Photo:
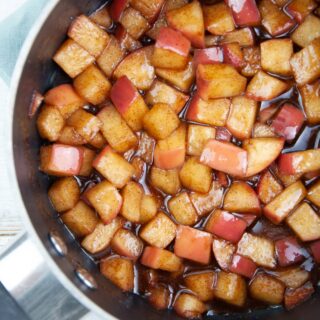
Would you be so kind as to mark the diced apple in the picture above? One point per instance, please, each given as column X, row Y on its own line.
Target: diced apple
column 299, row 9
column 189, row 21
column 314, row 194
column 288, row 251
column 315, row 249
column 149, row 10
column 226, row 226
column 159, row 232
column 98, row 141
column 305, row 222
column 162, row 93
column 115, row 130
column 132, row 195
column 61, row 160
column 233, row 55
column 252, row 61
column 223, row 252
column 101, row 236
column 294, row 297
column 201, row 284
column 134, row 22
column 205, row 203
column 160, row 121
column 222, row 179
column 116, row 9
column 165, row 180
column 213, row 112
column 243, row 266
column 268, row 187
column 259, row 249
column 275, row 21
column 159, row 297
column 267, row 289
column 288, row 121
column 119, row 271
column 126, row 41
column 189, row 306
column 139, row 168
column 86, row 166
column 169, row 153
column 286, row 179
column 156, row 258
column 245, row 13
column 196, row 176
column 225, row 157
column 300, row 161
column 280, row 207
column 146, row 147
column 127, row 244
column 70, row 136
column 311, row 101
column 241, row 117
column 231, row 288
column 88, row 35
column 148, row 208
column 193, row 244
column 218, row 19
column 138, row 68
column 267, row 113
column 292, row 277
column 113, row 167
column 243, row 36
column 207, row 56
column 181, row 79
column 180, row 206
column 261, row 130
column 261, row 153
column 81, row 219
column 101, row 17
column 305, row 63
column 219, row 81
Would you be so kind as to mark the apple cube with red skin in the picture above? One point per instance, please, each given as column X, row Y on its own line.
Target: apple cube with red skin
column 300, row 161
column 248, row 218
column 129, row 102
column 223, row 252
column 101, row 236
column 311, row 101
column 169, row 153
column 106, row 199
column 245, row 13
column 64, row 98
column 218, row 19
column 193, row 244
column 315, row 250
column 294, row 297
column 88, row 35
column 162, row 259
column 72, row 58
column 201, row 284
column 261, row 152
column 233, row 55
column 300, row 9
column 219, row 81
column 116, row 9
column 314, row 193
column 207, row 56
column 188, row 20
column 267, row 113
column 288, row 251
column 225, row 157
column 127, row 244
column 167, row 181
column 231, row 288
column 150, row 10
column 259, row 249
column 305, row 63
column 113, row 167
column 267, row 289
column 226, row 226
column 159, row 232
column 119, row 271
column 163, row 93
column 243, row 266
column 132, row 195
column 241, row 117
column 275, row 21
column 265, row 87
column 171, row 50
column 268, row 187
column 280, row 207
column 305, row 222
column 115, row 130
column 189, row 306
column 137, row 68
column 243, row 36
column 61, row 160
column 213, row 112
column 159, row 297
column 241, row 198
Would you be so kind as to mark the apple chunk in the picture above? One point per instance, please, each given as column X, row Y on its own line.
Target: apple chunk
column 243, row 266
column 294, row 297
column 207, row 56
column 201, row 284
column 223, row 252
column 150, row 10
column 165, row 180
column 132, row 196
column 188, row 20
column 311, row 101
column 252, row 61
column 300, row 9
column 268, row 187
column 314, row 194
column 261, row 153
column 289, row 251
column 233, row 55
column 189, row 306
column 219, row 81
column 243, row 36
